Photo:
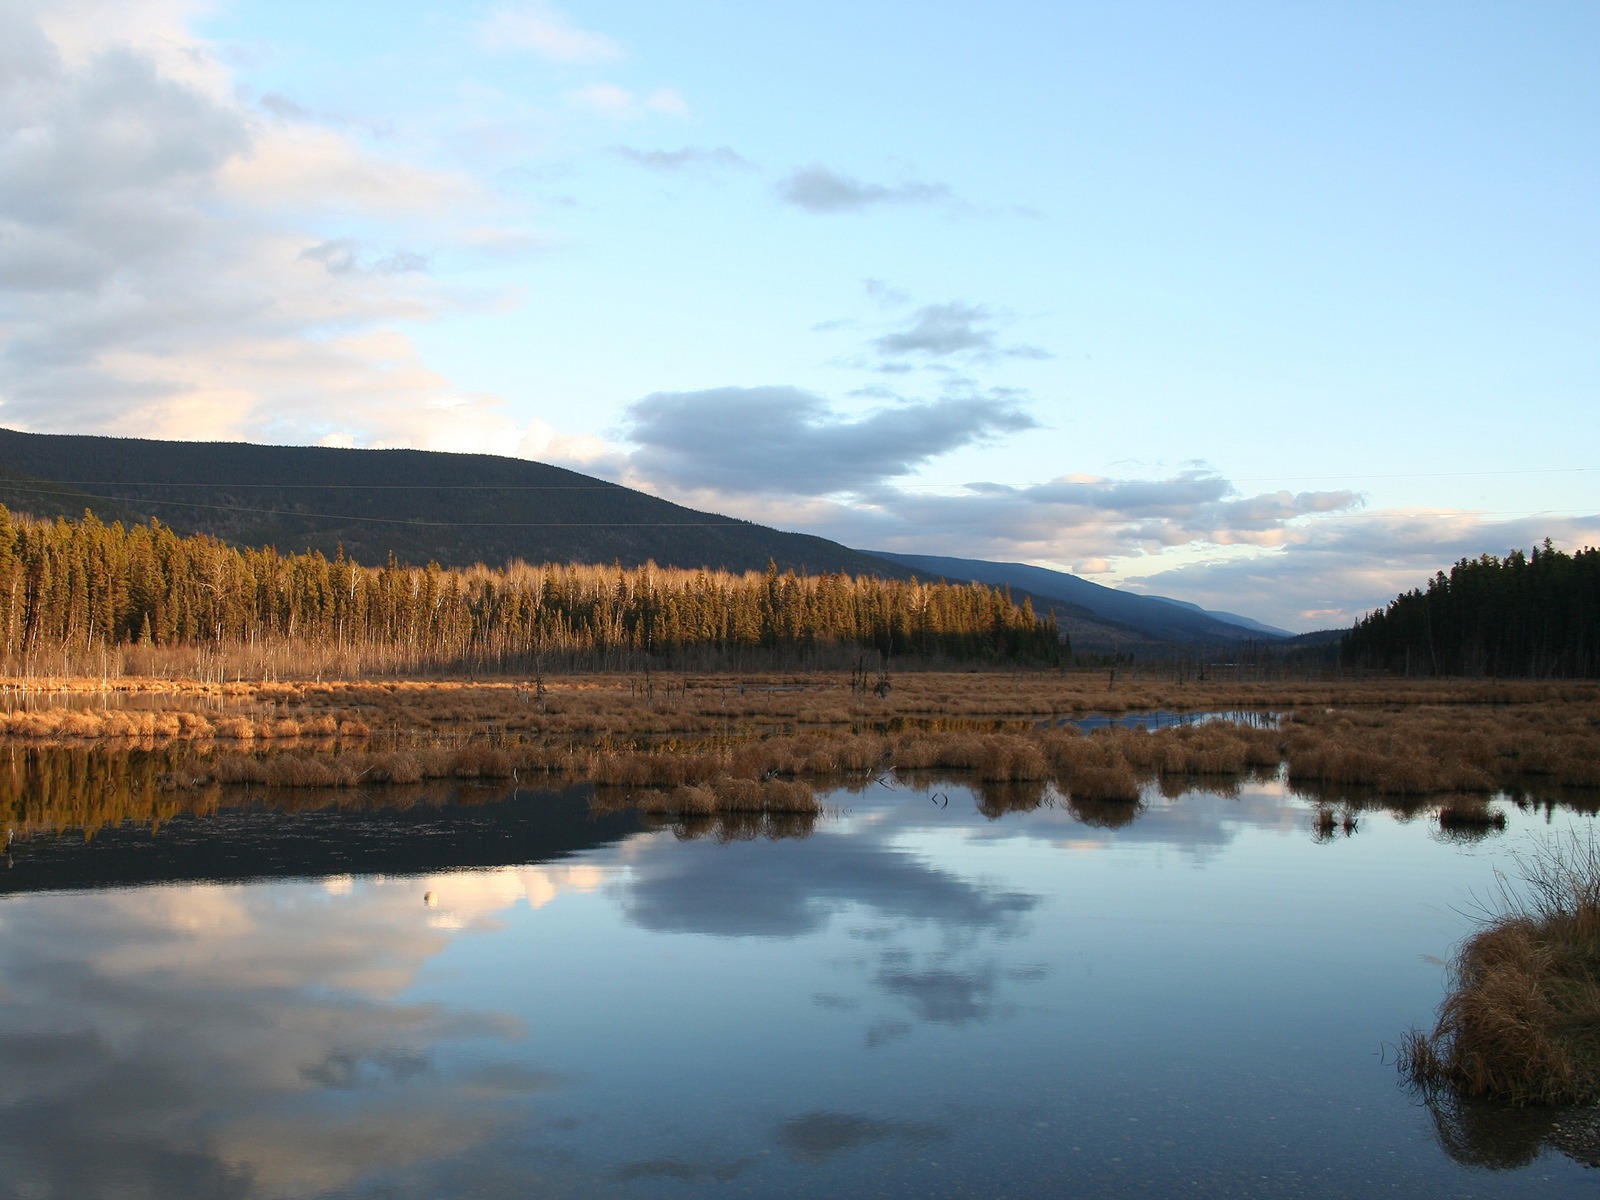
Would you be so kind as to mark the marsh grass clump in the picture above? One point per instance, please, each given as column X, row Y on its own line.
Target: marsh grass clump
column 1522, row 1020
column 1471, row 815
column 721, row 796
column 1113, row 782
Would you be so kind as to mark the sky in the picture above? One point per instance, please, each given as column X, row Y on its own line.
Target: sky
column 1276, row 308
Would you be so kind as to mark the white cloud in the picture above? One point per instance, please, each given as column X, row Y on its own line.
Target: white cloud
column 616, row 101
column 684, row 159
column 174, row 262
column 669, row 101
column 1329, row 573
column 547, row 32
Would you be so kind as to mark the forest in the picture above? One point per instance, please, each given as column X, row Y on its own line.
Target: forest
column 1534, row 615
column 82, row 586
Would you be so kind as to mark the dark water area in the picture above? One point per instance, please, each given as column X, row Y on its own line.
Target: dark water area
column 441, row 828
column 934, row 989
column 1167, row 719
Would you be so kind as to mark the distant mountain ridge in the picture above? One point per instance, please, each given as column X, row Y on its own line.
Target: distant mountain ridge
column 419, row 505
column 1152, row 616
column 461, row 509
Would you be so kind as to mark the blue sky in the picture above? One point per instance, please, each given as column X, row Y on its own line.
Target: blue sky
column 1273, row 307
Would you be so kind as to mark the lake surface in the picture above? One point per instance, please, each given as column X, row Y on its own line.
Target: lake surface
column 935, row 991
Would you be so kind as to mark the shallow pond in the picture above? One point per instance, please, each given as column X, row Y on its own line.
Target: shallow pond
column 907, row 998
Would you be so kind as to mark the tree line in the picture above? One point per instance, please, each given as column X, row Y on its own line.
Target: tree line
column 81, row 585
column 1533, row 615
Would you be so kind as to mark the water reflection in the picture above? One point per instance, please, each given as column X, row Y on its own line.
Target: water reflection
column 1169, row 719
column 246, row 1041
column 1105, row 814
column 243, row 834
column 816, row 1137
column 727, row 827
column 1007, row 990
column 785, row 889
column 1503, row 1137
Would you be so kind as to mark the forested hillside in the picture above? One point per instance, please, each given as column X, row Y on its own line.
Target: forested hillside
column 417, row 505
column 1535, row 615
column 79, row 586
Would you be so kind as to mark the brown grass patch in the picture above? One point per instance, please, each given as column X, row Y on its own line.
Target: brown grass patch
column 1522, row 1020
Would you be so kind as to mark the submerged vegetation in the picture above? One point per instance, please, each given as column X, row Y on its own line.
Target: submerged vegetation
column 1522, row 1020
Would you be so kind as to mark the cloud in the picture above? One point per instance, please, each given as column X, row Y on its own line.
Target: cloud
column 818, row 189
column 617, row 101
column 667, row 100
column 1298, row 560
column 547, row 32
column 933, row 335
column 886, row 295
column 1063, row 521
column 603, row 97
column 1331, row 573
column 941, row 329
column 342, row 256
column 946, row 330
column 175, row 262
column 688, row 158
column 785, row 440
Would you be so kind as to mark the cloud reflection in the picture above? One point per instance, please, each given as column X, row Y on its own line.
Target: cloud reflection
column 787, row 889
column 247, row 1041
column 816, row 1137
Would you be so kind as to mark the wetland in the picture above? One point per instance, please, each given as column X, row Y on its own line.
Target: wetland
column 763, row 936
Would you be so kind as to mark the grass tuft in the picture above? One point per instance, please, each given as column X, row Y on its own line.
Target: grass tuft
column 1522, row 1020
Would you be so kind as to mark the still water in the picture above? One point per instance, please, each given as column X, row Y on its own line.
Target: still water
column 934, row 992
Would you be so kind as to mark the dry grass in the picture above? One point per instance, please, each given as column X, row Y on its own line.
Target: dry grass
column 1522, row 1020
column 1471, row 814
column 1412, row 747
column 677, row 704
column 720, row 796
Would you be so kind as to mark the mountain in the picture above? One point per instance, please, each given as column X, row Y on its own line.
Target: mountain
column 460, row 509
column 1250, row 623
column 1151, row 617
column 453, row 509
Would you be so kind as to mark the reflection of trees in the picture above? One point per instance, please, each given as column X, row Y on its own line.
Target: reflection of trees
column 51, row 790
column 728, row 827
column 1583, row 801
